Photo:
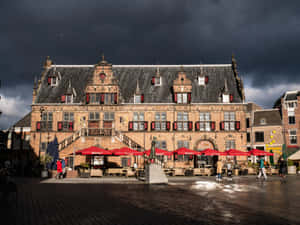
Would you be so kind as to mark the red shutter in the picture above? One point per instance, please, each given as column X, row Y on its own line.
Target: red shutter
column 206, row 79
column 175, row 97
column 190, row 125
column 102, row 99
column 213, row 126
column 59, row 126
column 38, row 125
column 222, row 126
column 237, row 125
column 70, row 125
column 175, row 126
column 116, row 98
column 130, row 125
column 168, row 125
column 190, row 157
column 153, row 81
column 152, row 125
column 49, row 80
column 87, row 98
column 231, row 98
column 142, row 98
column 63, row 98
column 197, row 126
column 146, row 125
column 189, row 97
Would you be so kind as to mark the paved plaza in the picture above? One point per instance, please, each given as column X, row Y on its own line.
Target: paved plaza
column 191, row 200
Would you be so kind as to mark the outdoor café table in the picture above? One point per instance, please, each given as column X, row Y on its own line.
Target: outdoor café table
column 96, row 173
column 116, row 171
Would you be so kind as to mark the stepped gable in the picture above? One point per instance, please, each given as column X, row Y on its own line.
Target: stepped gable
column 127, row 77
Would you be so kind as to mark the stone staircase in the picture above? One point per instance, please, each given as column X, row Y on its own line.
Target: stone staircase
column 113, row 133
column 155, row 174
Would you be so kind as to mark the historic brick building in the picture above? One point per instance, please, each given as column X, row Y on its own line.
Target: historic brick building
column 196, row 106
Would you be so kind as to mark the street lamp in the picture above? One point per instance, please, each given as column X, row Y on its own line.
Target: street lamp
column 40, row 145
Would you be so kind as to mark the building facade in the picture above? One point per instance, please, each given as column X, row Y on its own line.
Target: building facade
column 113, row 106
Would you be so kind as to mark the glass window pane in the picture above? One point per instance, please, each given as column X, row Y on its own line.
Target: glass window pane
column 44, row 116
column 141, row 125
column 226, row 116
column 137, row 99
column 91, row 116
column 207, row 116
column 202, row 117
column 184, row 98
column 232, row 116
column 232, row 126
column 71, row 116
column 185, row 116
column 163, row 125
column 179, row 124
column 163, row 116
column 157, row 116
column 207, row 126
column 141, row 116
column 135, row 116
column 66, row 116
column 179, row 98
column 202, row 128
column 112, row 116
column 157, row 125
column 163, row 144
column 179, row 116
column 135, row 126
column 185, row 126
column 97, row 116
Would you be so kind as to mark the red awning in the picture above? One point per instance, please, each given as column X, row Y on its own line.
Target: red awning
column 126, row 151
column 93, row 151
column 260, row 152
column 186, row 151
column 211, row 152
column 235, row 152
column 158, row 152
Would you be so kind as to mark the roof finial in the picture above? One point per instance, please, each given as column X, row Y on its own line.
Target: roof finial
column 48, row 62
column 103, row 57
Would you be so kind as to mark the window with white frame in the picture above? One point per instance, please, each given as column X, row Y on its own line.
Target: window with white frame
column 138, row 121
column 291, row 116
column 69, row 98
column 46, row 123
column 205, row 121
column 157, row 81
column 229, row 144
column 182, row 121
column 137, row 99
column 182, row 98
column 291, row 105
column 94, row 116
column 229, row 120
column 54, row 81
column 161, row 144
column 293, row 136
column 160, row 121
column 225, row 98
column 201, row 80
column 109, row 116
column 68, row 117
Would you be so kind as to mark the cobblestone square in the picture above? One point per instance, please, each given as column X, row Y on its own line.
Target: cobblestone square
column 199, row 200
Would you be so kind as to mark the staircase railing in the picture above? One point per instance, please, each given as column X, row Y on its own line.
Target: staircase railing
column 69, row 140
column 128, row 141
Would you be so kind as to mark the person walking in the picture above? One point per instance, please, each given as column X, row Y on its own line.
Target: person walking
column 229, row 170
column 262, row 169
column 63, row 165
column 282, row 167
column 219, row 170
column 59, row 169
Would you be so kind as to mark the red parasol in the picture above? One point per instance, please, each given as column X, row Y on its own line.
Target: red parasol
column 211, row 152
column 186, row 151
column 260, row 152
column 235, row 152
column 126, row 151
column 93, row 150
column 158, row 152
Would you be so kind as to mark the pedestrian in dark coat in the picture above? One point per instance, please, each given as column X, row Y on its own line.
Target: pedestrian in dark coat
column 282, row 167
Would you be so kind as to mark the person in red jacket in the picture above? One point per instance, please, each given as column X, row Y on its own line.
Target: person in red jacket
column 59, row 169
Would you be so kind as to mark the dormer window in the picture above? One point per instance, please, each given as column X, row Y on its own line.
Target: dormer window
column 52, row 81
column 69, row 98
column 157, row 81
column 225, row 98
column 139, row 98
column 201, row 80
column 263, row 121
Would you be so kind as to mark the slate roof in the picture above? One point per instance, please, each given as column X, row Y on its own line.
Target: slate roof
column 127, row 77
column 25, row 121
column 272, row 118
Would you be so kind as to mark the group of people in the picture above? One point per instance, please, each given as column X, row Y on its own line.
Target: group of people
column 61, row 168
column 262, row 169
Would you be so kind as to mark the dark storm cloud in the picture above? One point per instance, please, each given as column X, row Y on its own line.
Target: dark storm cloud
column 264, row 35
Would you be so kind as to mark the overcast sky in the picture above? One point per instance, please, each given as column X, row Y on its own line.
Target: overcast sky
column 263, row 35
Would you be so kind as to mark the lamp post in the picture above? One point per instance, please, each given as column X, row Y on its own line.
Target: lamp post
column 40, row 145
